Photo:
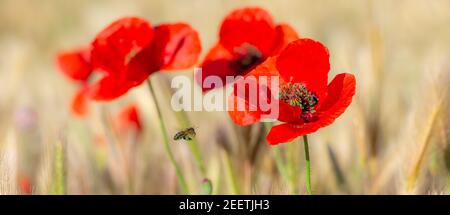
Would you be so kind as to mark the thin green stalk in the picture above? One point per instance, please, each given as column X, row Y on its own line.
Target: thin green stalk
column 195, row 149
column 193, row 144
column 184, row 122
column 308, row 165
column 179, row 172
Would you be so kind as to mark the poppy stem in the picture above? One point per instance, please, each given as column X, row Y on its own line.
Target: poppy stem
column 179, row 172
column 308, row 165
column 193, row 144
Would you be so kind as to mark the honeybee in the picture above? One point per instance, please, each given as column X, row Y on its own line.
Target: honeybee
column 186, row 134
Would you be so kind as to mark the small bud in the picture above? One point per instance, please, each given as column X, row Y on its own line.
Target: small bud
column 207, row 186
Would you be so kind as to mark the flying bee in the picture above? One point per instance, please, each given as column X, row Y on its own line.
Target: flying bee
column 186, row 134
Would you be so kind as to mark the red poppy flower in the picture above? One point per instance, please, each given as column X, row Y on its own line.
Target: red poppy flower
column 248, row 36
column 128, row 120
column 306, row 102
column 129, row 50
column 25, row 185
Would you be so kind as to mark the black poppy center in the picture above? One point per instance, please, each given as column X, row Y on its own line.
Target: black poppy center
column 297, row 95
column 246, row 56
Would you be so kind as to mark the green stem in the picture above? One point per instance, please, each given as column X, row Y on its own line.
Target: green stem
column 193, row 144
column 308, row 165
column 179, row 172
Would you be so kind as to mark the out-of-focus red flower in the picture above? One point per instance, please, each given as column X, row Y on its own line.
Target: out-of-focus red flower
column 128, row 120
column 25, row 185
column 248, row 36
column 129, row 50
column 125, row 53
column 306, row 102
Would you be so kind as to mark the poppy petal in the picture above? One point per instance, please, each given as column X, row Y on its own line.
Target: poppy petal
column 108, row 88
column 176, row 46
column 251, row 25
column 25, row 184
column 267, row 68
column 340, row 95
column 306, row 61
column 140, row 67
column 79, row 104
column 247, row 116
column 216, row 63
column 287, row 132
column 289, row 113
column 285, row 35
column 75, row 64
column 242, row 117
column 115, row 45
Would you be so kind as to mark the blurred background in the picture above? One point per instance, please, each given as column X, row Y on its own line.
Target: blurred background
column 393, row 139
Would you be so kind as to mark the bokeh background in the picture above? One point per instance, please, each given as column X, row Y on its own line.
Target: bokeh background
column 394, row 138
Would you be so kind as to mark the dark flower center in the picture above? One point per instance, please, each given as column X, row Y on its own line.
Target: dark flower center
column 297, row 95
column 246, row 56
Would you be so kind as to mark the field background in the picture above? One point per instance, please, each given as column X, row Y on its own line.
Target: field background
column 394, row 138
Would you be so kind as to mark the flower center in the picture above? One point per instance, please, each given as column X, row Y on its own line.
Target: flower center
column 297, row 95
column 246, row 57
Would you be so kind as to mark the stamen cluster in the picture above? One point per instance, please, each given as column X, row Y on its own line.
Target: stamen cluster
column 297, row 95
